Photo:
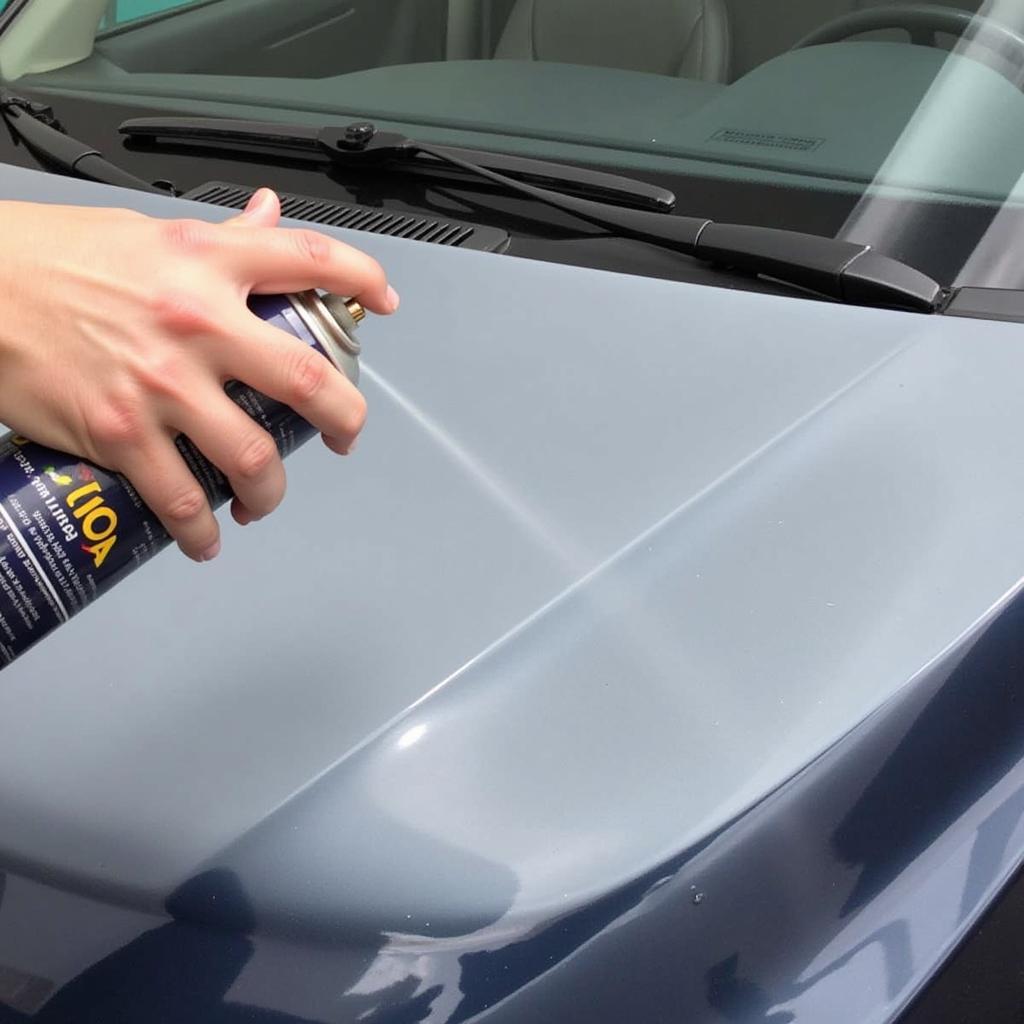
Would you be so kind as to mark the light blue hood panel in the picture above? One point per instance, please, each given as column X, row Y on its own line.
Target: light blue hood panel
column 616, row 559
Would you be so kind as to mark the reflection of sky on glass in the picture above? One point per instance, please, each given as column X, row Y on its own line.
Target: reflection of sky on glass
column 119, row 11
column 931, row 148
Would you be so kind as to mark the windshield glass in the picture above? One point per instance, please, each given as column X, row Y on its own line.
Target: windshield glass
column 119, row 12
column 872, row 120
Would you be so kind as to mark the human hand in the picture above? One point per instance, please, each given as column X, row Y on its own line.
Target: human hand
column 119, row 331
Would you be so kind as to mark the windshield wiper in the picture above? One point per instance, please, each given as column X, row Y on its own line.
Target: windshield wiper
column 848, row 272
column 300, row 140
column 35, row 127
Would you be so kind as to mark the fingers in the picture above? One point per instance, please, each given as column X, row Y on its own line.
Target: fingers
column 221, row 265
column 284, row 368
column 241, row 514
column 271, row 260
column 277, row 260
column 167, row 486
column 241, row 449
column 262, row 211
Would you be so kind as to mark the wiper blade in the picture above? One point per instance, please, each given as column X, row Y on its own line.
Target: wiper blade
column 293, row 140
column 35, row 127
column 848, row 272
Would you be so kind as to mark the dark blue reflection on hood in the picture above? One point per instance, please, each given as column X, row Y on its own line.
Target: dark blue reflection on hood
column 749, row 927
column 814, row 862
column 180, row 971
column 970, row 733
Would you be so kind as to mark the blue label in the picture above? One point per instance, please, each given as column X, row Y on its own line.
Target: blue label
column 68, row 532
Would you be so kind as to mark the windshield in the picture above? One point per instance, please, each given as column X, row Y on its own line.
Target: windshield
column 894, row 124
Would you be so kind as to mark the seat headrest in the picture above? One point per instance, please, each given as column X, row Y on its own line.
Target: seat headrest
column 687, row 38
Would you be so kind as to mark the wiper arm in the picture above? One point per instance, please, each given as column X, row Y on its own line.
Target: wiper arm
column 292, row 140
column 845, row 271
column 36, row 128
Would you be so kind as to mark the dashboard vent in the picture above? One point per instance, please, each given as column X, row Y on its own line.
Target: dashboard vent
column 361, row 218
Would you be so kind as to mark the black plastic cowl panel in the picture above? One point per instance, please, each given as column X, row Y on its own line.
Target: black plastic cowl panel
column 457, row 234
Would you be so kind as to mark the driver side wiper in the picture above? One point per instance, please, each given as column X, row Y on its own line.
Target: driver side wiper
column 267, row 138
column 848, row 272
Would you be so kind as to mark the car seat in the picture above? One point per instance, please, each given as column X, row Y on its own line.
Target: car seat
column 683, row 38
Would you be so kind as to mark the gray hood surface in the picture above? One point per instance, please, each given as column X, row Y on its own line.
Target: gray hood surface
column 615, row 559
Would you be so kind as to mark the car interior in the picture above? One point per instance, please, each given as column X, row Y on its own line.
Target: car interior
column 715, row 41
column 735, row 87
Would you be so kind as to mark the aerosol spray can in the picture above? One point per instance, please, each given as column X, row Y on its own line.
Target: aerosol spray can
column 70, row 530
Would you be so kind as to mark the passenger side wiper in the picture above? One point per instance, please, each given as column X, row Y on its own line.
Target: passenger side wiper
column 38, row 130
column 265, row 137
column 848, row 272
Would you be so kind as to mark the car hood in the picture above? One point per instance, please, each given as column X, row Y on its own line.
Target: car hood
column 615, row 560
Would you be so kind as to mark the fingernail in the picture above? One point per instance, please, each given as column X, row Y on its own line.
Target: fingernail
column 392, row 298
column 211, row 552
column 351, row 448
column 335, row 444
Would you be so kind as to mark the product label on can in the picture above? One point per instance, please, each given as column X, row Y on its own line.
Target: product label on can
column 68, row 532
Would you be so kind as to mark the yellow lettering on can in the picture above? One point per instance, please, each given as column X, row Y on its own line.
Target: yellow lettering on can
column 100, row 551
column 87, row 507
column 89, row 488
column 101, row 515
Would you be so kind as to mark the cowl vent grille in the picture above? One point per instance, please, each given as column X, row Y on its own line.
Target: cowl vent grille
column 361, row 218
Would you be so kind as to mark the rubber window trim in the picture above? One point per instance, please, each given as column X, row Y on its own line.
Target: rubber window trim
column 11, row 12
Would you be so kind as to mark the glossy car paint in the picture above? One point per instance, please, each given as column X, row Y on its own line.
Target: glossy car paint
column 663, row 665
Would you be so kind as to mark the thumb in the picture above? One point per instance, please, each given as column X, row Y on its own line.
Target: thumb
column 262, row 211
